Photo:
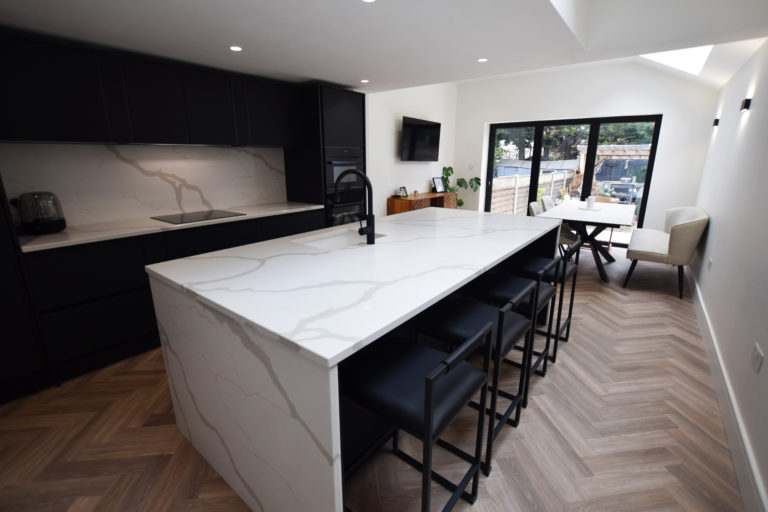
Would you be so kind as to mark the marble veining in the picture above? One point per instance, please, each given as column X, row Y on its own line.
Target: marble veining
column 266, row 422
column 328, row 302
column 108, row 183
column 177, row 183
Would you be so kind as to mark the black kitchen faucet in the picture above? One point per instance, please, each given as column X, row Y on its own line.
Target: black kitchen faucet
column 369, row 224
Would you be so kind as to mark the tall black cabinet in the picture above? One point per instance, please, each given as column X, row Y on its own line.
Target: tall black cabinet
column 331, row 135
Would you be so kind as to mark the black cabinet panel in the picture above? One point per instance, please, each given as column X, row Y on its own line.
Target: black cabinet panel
column 50, row 92
column 93, row 326
column 271, row 113
column 155, row 96
column 188, row 242
column 343, row 117
column 210, row 112
column 23, row 364
column 66, row 276
column 285, row 225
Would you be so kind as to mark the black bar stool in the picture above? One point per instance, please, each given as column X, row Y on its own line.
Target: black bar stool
column 568, row 270
column 534, row 268
column 421, row 389
column 453, row 319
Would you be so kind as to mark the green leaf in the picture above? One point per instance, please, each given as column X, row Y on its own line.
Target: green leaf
column 447, row 172
column 459, row 203
column 461, row 182
column 474, row 183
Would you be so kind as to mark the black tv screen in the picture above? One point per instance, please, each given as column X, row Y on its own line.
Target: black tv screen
column 420, row 141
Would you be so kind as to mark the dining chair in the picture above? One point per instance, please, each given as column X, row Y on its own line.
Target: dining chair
column 683, row 228
column 567, row 235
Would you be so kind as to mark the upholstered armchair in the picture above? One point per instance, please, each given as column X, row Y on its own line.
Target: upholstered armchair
column 683, row 228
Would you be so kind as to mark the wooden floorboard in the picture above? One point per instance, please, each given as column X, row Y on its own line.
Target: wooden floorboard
column 626, row 420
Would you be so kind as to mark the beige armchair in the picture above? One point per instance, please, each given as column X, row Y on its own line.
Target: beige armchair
column 683, row 228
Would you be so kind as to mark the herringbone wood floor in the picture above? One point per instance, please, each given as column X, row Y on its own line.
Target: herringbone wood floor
column 626, row 420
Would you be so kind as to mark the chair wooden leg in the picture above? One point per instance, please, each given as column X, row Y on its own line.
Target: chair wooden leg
column 629, row 274
column 680, row 275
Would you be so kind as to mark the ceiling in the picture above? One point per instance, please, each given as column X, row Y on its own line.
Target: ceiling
column 402, row 43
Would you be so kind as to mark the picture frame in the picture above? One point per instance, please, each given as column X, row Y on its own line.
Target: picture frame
column 403, row 192
column 438, row 184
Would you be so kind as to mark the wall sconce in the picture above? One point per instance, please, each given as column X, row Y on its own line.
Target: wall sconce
column 746, row 104
column 716, row 121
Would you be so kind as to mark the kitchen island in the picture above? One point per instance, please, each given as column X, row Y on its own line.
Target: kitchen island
column 252, row 336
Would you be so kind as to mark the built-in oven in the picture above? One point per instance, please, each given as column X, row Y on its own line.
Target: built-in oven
column 350, row 205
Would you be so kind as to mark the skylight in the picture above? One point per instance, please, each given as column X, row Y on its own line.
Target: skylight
column 690, row 60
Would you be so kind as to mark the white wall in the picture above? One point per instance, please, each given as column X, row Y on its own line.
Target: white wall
column 596, row 90
column 384, row 113
column 734, row 292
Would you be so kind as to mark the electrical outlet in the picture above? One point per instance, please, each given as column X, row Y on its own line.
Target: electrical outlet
column 709, row 264
column 756, row 358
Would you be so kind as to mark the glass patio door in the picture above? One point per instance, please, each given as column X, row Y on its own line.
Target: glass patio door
column 509, row 169
column 610, row 158
column 563, row 162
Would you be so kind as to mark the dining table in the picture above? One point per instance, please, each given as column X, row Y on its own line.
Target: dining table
column 599, row 217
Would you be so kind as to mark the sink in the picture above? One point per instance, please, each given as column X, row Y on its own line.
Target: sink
column 335, row 240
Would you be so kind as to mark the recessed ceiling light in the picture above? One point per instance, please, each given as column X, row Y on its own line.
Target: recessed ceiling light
column 369, row 1
column 690, row 60
column 482, row 59
column 363, row 81
column 236, row 48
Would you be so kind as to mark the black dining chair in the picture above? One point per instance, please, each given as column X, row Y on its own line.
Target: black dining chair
column 420, row 390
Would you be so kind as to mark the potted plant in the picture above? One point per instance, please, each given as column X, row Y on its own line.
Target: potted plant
column 473, row 183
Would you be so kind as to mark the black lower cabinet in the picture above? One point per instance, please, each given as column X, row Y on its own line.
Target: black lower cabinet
column 93, row 301
column 88, row 336
column 24, row 367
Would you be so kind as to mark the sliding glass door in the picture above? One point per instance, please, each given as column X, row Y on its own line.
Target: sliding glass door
column 610, row 158
column 509, row 169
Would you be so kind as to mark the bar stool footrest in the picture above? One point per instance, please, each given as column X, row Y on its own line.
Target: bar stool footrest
column 457, row 490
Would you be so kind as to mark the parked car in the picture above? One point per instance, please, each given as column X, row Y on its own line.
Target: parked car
column 626, row 192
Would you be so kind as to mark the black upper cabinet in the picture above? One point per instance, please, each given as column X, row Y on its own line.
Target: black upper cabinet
column 343, row 117
column 50, row 92
column 155, row 97
column 271, row 113
column 210, row 111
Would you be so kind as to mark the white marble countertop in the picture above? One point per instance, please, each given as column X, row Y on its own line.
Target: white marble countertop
column 87, row 233
column 326, row 294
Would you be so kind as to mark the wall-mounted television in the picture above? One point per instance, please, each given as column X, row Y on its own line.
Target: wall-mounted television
column 420, row 141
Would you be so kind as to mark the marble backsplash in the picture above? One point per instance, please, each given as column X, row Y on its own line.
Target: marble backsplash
column 103, row 183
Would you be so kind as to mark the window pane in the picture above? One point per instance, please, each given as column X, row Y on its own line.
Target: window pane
column 563, row 153
column 513, row 151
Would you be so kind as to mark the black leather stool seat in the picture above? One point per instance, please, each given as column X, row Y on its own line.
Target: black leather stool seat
column 389, row 379
column 454, row 320
column 500, row 288
column 530, row 266
column 570, row 269
column 546, row 292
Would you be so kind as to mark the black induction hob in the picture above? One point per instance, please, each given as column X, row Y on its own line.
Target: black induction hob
column 186, row 217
